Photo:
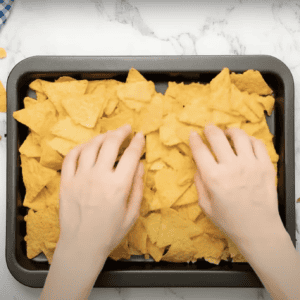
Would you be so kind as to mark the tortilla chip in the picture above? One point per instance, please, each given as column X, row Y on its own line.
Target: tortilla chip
column 35, row 176
column 137, row 236
column 152, row 224
column 28, row 102
column 188, row 197
column 137, row 91
column 2, row 53
column 85, row 109
column 30, row 148
column 150, row 117
column 181, row 251
column 3, row 106
column 61, row 145
column 64, row 79
column 173, row 227
column 168, row 191
column 50, row 158
column 210, row 228
column 134, row 76
column 39, row 117
column 76, row 133
column 252, row 82
column 208, row 247
column 42, row 227
column 154, row 251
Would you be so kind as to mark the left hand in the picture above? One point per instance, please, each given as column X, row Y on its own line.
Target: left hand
column 94, row 213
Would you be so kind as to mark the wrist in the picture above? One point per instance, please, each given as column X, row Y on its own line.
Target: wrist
column 274, row 237
column 79, row 253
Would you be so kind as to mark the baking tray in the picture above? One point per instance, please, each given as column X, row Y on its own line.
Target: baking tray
column 138, row 272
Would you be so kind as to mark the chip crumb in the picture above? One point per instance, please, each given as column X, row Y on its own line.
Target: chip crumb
column 298, row 200
column 2, row 53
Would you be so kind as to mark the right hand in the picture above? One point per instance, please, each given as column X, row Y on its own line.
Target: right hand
column 238, row 193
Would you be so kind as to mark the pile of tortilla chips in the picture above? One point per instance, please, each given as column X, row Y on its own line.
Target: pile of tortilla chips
column 172, row 226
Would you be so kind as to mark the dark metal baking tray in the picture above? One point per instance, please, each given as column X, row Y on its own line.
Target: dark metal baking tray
column 138, row 272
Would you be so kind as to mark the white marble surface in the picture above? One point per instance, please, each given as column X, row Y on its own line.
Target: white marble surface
column 125, row 27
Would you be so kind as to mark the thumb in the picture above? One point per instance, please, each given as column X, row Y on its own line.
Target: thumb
column 203, row 197
column 135, row 198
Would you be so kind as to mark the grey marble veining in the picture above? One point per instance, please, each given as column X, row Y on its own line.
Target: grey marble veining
column 123, row 27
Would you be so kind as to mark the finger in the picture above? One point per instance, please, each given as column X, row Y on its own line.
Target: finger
column 135, row 198
column 241, row 141
column 202, row 155
column 110, row 148
column 69, row 165
column 89, row 153
column 203, row 198
column 260, row 150
column 130, row 159
column 219, row 144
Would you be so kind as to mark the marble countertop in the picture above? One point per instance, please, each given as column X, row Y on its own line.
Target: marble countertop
column 128, row 27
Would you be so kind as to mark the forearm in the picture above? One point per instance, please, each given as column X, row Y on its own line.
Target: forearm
column 72, row 274
column 277, row 263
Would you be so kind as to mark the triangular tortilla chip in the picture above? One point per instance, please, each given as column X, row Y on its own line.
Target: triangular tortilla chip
column 35, row 176
column 173, row 227
column 30, row 148
column 137, row 236
column 39, row 117
column 152, row 224
column 76, row 133
column 252, row 82
column 134, row 76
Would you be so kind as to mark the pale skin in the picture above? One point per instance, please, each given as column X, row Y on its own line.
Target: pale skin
column 237, row 192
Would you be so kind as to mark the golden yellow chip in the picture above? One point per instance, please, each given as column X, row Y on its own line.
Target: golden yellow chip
column 36, row 85
column 3, row 106
column 42, row 227
column 168, row 130
column 188, row 197
column 154, row 251
column 134, row 76
column 181, row 251
column 48, row 249
column 155, row 149
column 268, row 103
column 62, row 146
column 28, row 102
column 137, row 236
column 64, row 79
column 150, row 117
column 121, row 251
column 85, row 109
column 2, row 53
column 168, row 191
column 174, row 227
column 35, row 176
column 210, row 228
column 39, row 117
column 50, row 158
column 152, row 224
column 171, row 105
column 252, row 82
column 76, row 133
column 30, row 148
column 137, row 91
column 208, row 247
column 38, row 203
column 196, row 114
column 219, row 97
column 117, row 121
column 189, row 211
column 57, row 91
column 41, row 97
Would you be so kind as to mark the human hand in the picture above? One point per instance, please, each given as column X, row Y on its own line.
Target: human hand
column 93, row 195
column 238, row 192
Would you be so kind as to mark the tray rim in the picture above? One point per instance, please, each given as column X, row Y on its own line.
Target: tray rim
column 213, row 63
